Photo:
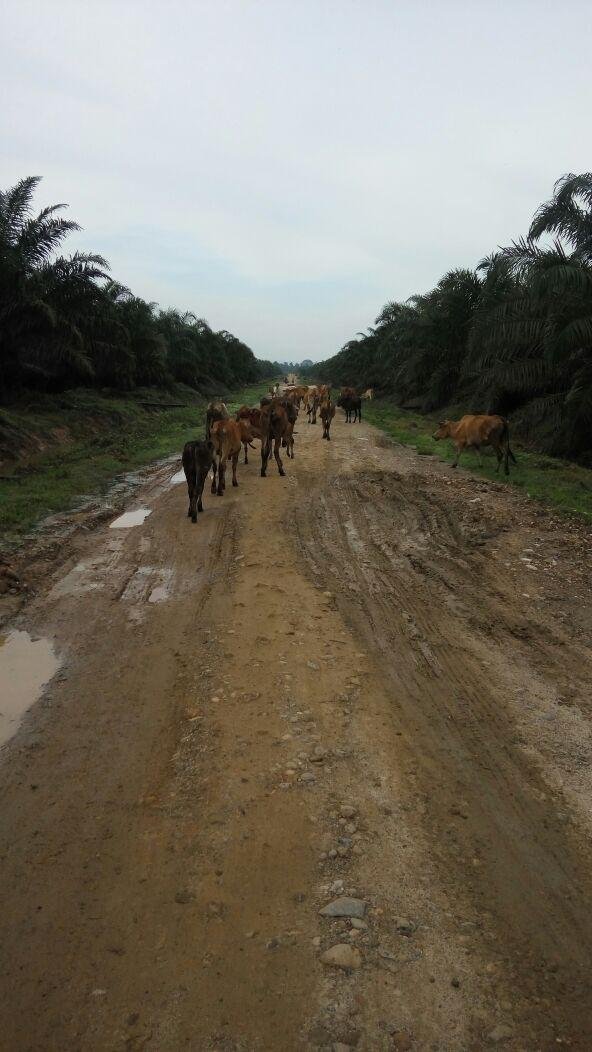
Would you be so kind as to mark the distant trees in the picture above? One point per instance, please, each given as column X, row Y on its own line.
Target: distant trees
column 65, row 322
column 514, row 335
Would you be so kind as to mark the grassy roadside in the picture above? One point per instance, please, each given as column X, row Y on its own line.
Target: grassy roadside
column 565, row 486
column 82, row 440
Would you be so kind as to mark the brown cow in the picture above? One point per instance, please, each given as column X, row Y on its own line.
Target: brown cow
column 274, row 426
column 227, row 437
column 252, row 416
column 327, row 414
column 198, row 458
column 215, row 411
column 477, row 431
column 289, row 404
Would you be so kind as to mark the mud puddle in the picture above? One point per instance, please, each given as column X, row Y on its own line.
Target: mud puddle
column 26, row 665
column 177, row 478
column 131, row 518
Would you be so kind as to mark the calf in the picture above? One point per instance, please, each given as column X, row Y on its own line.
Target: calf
column 352, row 406
column 252, row 416
column 227, row 438
column 477, row 431
column 198, row 458
column 313, row 405
column 327, row 414
column 215, row 411
column 274, row 426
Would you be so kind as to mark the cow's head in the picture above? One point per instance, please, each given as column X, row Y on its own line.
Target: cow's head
column 443, row 430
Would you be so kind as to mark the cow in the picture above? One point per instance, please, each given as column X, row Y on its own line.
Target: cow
column 351, row 404
column 368, row 394
column 198, row 458
column 327, row 414
column 475, row 431
column 215, row 411
column 312, row 408
column 252, row 416
column 274, row 426
column 227, row 436
column 291, row 408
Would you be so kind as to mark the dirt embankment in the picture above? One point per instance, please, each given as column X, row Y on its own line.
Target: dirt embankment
column 369, row 679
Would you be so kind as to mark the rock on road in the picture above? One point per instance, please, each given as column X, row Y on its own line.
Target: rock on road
column 365, row 686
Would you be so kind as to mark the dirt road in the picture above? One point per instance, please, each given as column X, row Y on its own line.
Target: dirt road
column 370, row 678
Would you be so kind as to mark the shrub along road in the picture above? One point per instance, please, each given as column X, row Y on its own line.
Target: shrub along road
column 367, row 679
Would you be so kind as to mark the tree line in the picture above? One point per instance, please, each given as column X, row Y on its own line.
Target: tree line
column 513, row 336
column 65, row 322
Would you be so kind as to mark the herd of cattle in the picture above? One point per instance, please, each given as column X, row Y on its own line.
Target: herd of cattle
column 272, row 423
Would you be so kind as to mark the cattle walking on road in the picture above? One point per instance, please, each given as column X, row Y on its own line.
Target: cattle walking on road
column 198, row 458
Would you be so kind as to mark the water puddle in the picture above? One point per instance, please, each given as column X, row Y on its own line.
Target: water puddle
column 176, row 479
column 131, row 518
column 26, row 665
column 158, row 594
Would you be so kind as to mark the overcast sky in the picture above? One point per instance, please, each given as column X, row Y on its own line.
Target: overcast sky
column 284, row 167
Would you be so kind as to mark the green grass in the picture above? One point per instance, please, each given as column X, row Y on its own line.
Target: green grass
column 105, row 437
column 559, row 483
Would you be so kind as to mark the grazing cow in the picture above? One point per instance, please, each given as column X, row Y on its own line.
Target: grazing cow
column 198, row 458
column 274, row 425
column 369, row 394
column 477, row 431
column 351, row 404
column 215, row 411
column 327, row 414
column 227, row 436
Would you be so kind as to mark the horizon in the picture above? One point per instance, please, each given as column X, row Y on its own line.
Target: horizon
column 283, row 172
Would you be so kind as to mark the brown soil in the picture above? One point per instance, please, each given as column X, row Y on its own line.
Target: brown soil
column 372, row 632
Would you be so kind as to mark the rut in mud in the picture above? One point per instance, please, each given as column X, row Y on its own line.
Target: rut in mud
column 455, row 647
column 367, row 678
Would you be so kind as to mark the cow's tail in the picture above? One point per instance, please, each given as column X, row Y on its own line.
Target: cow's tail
column 508, row 455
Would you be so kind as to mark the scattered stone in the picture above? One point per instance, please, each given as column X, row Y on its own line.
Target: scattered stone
column 184, row 896
column 317, row 942
column 500, row 1033
column 332, row 853
column 357, row 922
column 307, row 777
column 313, row 665
column 351, row 827
column 347, row 811
column 357, row 849
column 404, row 927
column 455, row 982
column 344, row 907
column 272, row 944
column 342, row 851
column 250, row 934
column 342, row 956
column 319, row 754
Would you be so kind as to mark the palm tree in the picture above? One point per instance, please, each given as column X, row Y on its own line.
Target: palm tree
column 46, row 300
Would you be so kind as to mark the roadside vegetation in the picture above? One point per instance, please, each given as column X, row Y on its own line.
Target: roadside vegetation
column 74, row 446
column 65, row 322
column 512, row 337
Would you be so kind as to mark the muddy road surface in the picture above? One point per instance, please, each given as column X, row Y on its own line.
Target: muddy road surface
column 370, row 680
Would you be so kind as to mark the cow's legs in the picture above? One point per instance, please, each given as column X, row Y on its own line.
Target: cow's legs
column 457, row 457
column 200, row 488
column 234, row 463
column 191, row 487
column 265, row 453
column 479, row 455
column 246, row 457
column 214, row 468
column 221, row 476
column 278, row 459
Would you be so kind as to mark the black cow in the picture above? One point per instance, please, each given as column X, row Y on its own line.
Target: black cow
column 198, row 458
column 352, row 404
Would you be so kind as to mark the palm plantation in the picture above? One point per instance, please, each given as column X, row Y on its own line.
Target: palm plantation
column 64, row 322
column 513, row 336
